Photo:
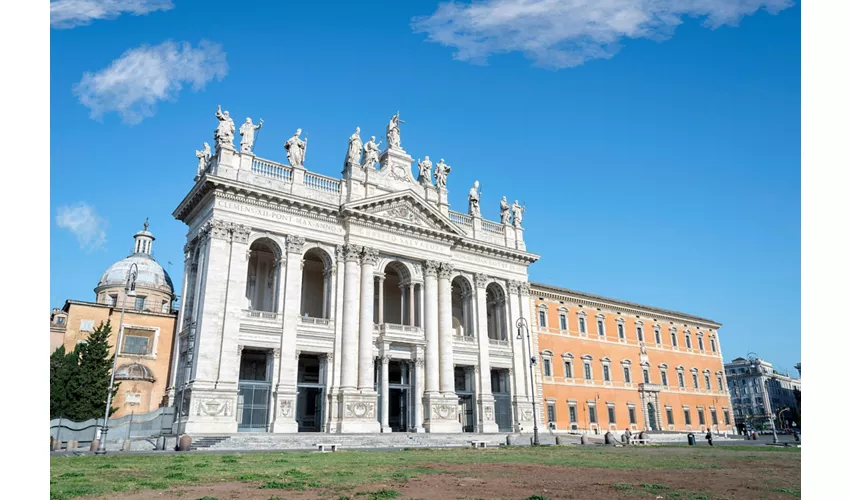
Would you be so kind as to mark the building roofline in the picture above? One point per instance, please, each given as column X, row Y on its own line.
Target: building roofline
column 622, row 303
column 70, row 302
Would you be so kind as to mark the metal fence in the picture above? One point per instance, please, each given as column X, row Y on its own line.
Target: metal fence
column 133, row 426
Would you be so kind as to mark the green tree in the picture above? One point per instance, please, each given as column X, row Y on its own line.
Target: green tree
column 88, row 386
column 63, row 367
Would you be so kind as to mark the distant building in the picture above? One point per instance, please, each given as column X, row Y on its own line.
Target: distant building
column 149, row 321
column 797, row 367
column 746, row 382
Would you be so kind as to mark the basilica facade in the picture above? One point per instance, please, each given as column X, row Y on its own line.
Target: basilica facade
column 359, row 304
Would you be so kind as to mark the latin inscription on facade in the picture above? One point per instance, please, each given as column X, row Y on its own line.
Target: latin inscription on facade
column 276, row 215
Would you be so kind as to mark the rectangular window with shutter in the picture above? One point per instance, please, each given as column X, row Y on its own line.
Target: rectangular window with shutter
column 664, row 378
column 627, row 375
column 140, row 304
column 573, row 419
column 701, row 416
column 135, row 345
column 687, row 416
column 674, row 340
column 632, row 415
column 606, row 373
column 612, row 417
column 670, row 416
column 587, row 374
column 621, row 332
column 547, row 368
column 600, row 328
column 645, row 376
column 591, row 412
column 640, row 334
column 87, row 325
column 582, row 327
column 568, row 369
column 563, row 323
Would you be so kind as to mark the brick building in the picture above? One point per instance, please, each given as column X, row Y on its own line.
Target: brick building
column 606, row 364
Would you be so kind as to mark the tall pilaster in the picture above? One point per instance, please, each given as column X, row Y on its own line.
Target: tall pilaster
column 380, row 278
column 432, row 346
column 521, row 371
column 447, row 378
column 486, row 402
column 286, row 390
column 440, row 399
column 358, row 398
column 350, row 321
column 366, row 374
column 212, row 405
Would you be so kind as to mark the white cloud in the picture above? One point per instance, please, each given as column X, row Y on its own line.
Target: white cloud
column 71, row 13
column 566, row 33
column 84, row 222
column 136, row 81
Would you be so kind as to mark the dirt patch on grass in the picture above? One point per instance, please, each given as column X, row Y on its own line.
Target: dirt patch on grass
column 768, row 477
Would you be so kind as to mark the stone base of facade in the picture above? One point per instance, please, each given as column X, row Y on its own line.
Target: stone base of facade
column 284, row 413
column 486, row 422
column 358, row 413
column 525, row 415
column 441, row 413
column 211, row 412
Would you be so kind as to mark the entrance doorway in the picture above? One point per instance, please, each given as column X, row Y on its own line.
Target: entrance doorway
column 398, row 397
column 499, row 381
column 465, row 390
column 252, row 407
column 650, row 413
column 311, row 391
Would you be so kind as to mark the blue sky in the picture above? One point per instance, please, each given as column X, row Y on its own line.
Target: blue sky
column 659, row 160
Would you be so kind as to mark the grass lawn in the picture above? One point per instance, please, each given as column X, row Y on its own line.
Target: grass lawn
column 516, row 472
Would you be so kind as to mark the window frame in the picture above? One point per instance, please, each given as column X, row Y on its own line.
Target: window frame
column 612, row 414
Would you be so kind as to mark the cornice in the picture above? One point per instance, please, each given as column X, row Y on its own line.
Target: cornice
column 564, row 294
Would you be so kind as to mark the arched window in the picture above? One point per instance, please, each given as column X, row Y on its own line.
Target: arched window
column 316, row 278
column 264, row 271
column 462, row 297
column 496, row 312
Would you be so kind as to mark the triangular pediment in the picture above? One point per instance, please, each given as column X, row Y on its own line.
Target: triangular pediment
column 405, row 207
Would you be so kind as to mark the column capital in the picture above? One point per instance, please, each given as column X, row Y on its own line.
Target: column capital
column 294, row 244
column 351, row 253
column 187, row 250
column 385, row 359
column 297, row 355
column 446, row 270
column 215, row 228
column 430, row 268
column 524, row 288
column 513, row 287
column 370, row 256
column 276, row 352
column 419, row 362
column 241, row 233
column 481, row 280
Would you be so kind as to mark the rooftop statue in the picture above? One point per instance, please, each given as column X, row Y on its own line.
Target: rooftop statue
column 474, row 198
column 296, row 150
column 505, row 210
column 370, row 153
column 517, row 210
column 352, row 157
column 247, row 132
column 425, row 171
column 393, row 133
column 441, row 172
column 203, row 156
column 223, row 134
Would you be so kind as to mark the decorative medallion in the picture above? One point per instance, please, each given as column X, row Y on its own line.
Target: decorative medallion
column 360, row 409
column 488, row 413
column 398, row 173
column 286, row 408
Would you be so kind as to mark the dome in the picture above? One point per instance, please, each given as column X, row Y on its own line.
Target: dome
column 151, row 274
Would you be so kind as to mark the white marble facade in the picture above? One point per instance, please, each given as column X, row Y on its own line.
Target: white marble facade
column 356, row 302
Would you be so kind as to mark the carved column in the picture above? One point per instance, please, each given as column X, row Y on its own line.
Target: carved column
column 365, row 379
column 432, row 346
column 411, row 304
column 385, row 393
column 402, row 289
column 419, row 364
column 447, row 386
column 287, row 377
column 380, row 278
column 486, row 402
column 175, row 351
column 350, row 321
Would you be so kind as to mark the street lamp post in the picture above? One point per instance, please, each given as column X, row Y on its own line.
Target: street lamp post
column 522, row 326
column 129, row 291
column 755, row 362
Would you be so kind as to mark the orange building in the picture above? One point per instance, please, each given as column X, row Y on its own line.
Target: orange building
column 607, row 364
column 144, row 359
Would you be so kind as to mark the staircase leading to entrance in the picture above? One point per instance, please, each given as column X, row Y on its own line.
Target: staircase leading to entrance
column 308, row 441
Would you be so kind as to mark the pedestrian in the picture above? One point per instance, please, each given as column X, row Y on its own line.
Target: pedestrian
column 709, row 438
column 627, row 436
